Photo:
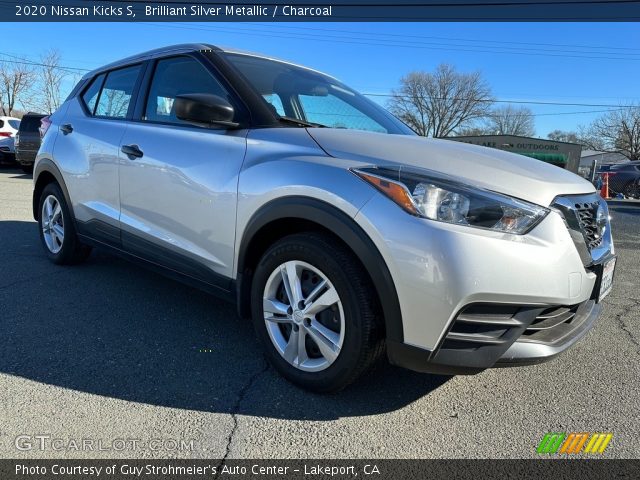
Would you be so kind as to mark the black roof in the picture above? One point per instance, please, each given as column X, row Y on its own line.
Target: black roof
column 625, row 164
column 180, row 48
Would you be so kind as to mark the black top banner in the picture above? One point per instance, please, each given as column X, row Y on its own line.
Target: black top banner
column 319, row 10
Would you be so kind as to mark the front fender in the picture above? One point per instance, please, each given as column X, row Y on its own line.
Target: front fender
column 341, row 225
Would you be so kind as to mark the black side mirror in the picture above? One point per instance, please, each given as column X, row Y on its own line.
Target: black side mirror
column 204, row 109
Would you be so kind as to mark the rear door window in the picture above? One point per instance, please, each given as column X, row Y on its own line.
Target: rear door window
column 115, row 96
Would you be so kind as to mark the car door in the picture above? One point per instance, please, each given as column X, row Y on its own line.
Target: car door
column 178, row 191
column 89, row 148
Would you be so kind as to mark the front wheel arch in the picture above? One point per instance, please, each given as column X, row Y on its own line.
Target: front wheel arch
column 288, row 215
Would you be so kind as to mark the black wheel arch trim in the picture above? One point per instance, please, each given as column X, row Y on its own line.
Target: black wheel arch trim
column 335, row 220
column 47, row 165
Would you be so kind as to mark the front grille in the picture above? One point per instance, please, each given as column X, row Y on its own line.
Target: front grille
column 580, row 213
column 587, row 215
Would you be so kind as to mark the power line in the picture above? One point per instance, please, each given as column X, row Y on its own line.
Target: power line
column 574, row 113
column 391, row 95
column 526, row 102
column 423, row 46
column 353, row 115
column 495, row 49
column 475, row 40
column 22, row 61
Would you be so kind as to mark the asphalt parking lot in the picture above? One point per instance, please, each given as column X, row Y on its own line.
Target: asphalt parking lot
column 107, row 351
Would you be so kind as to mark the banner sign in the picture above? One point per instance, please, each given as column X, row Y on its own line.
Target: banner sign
column 317, row 469
column 317, row 10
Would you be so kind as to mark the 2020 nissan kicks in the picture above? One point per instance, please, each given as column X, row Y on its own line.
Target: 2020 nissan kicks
column 338, row 231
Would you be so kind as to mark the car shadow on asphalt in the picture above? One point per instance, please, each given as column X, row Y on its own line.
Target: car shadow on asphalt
column 114, row 329
column 15, row 171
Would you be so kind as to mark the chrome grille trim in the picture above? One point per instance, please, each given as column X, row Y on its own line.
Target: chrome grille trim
column 586, row 213
column 580, row 215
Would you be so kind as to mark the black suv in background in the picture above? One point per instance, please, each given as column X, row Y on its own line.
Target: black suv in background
column 27, row 140
column 624, row 178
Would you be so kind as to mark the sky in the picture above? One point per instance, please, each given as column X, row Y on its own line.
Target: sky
column 577, row 63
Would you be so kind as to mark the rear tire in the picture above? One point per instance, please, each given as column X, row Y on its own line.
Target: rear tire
column 57, row 230
column 333, row 335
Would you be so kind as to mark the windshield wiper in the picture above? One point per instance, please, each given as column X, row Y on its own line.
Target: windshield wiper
column 299, row 122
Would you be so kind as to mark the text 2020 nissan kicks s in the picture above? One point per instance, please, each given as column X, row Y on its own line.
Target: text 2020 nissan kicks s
column 340, row 233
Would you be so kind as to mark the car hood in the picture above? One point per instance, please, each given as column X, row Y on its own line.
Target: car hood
column 516, row 175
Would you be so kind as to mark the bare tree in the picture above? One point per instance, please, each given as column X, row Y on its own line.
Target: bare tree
column 45, row 94
column 438, row 103
column 587, row 140
column 511, row 120
column 473, row 131
column 15, row 79
column 563, row 136
column 51, row 81
column 615, row 131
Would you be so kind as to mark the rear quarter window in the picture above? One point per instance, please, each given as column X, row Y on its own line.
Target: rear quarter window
column 90, row 95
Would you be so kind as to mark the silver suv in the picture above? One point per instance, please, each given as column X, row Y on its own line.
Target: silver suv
column 339, row 232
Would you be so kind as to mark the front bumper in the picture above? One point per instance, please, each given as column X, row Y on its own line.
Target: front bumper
column 485, row 336
column 527, row 350
column 473, row 299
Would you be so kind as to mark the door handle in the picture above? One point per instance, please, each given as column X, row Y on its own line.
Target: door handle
column 66, row 129
column 132, row 151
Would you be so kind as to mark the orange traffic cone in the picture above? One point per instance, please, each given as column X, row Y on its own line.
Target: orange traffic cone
column 604, row 190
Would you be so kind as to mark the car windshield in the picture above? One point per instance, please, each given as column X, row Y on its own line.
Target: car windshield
column 313, row 98
column 15, row 123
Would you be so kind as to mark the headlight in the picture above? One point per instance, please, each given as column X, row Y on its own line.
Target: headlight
column 445, row 200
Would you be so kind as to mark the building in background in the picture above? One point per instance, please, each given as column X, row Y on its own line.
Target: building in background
column 562, row 154
column 590, row 157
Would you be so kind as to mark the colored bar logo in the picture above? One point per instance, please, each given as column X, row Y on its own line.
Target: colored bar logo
column 574, row 443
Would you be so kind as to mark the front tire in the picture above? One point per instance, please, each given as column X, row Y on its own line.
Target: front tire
column 57, row 231
column 315, row 312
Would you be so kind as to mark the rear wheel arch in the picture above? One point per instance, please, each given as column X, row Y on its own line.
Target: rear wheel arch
column 290, row 215
column 47, row 172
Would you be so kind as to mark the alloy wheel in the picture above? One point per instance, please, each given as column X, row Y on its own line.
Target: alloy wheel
column 52, row 224
column 304, row 316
